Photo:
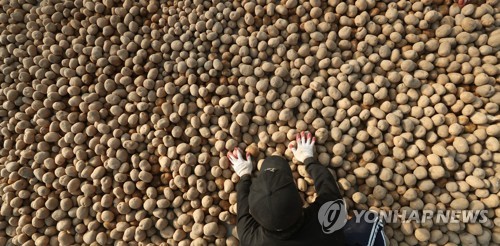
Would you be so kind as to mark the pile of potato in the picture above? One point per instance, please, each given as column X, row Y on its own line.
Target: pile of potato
column 116, row 116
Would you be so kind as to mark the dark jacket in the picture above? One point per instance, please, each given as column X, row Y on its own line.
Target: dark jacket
column 310, row 233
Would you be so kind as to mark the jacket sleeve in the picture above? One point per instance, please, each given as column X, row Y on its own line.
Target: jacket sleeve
column 247, row 226
column 324, row 182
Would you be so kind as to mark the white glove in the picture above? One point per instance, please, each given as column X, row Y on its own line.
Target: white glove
column 240, row 165
column 305, row 146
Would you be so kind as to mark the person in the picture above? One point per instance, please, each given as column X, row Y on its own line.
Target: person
column 270, row 209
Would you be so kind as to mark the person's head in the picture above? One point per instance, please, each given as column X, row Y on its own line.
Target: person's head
column 274, row 200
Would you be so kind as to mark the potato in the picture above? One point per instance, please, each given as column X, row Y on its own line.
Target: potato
column 422, row 234
column 210, row 229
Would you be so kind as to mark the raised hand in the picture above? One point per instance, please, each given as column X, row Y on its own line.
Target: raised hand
column 305, row 146
column 239, row 164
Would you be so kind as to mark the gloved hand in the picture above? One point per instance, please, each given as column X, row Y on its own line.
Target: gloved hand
column 240, row 165
column 305, row 146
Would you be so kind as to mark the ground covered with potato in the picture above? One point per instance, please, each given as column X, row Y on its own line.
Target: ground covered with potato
column 116, row 116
